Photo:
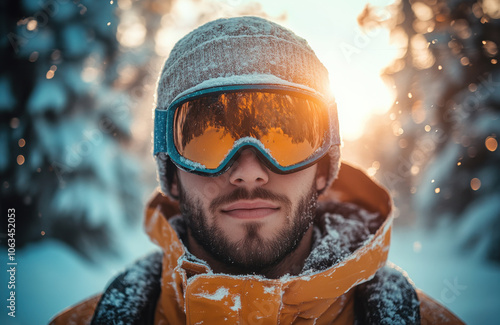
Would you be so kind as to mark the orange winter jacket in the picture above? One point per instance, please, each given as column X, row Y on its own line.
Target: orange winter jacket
column 190, row 293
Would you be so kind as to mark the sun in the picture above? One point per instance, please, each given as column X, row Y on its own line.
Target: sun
column 359, row 96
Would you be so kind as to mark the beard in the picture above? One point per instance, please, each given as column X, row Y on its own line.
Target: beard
column 252, row 252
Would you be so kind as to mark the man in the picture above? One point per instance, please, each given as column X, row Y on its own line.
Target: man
column 246, row 139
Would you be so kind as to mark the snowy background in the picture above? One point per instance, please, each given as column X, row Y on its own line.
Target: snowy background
column 76, row 92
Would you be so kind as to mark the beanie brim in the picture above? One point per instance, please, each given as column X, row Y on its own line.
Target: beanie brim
column 249, row 79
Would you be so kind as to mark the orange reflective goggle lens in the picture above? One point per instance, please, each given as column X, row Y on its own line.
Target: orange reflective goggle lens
column 289, row 130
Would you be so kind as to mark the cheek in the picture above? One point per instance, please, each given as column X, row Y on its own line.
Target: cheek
column 297, row 184
column 203, row 188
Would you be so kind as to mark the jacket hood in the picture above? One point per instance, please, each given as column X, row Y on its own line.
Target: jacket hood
column 193, row 294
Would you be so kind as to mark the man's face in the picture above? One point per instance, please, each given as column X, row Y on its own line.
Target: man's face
column 249, row 217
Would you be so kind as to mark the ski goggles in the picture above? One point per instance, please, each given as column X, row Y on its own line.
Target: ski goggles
column 204, row 132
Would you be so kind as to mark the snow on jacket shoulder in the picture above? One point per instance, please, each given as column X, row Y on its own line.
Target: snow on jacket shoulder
column 345, row 280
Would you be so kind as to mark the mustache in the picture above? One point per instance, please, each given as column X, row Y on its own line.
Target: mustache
column 244, row 194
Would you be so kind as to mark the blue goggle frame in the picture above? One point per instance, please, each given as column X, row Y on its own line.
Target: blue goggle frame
column 164, row 139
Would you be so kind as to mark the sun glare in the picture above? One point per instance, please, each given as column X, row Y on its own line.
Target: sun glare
column 359, row 96
column 131, row 31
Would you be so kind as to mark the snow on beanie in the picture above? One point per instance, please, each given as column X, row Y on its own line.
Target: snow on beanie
column 241, row 50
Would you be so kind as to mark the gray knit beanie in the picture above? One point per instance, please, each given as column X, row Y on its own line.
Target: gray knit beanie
column 241, row 50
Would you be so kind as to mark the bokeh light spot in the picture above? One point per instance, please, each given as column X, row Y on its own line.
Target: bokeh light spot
column 14, row 122
column 32, row 24
column 20, row 160
column 491, row 8
column 475, row 184
column 491, row 143
column 417, row 246
column 33, row 56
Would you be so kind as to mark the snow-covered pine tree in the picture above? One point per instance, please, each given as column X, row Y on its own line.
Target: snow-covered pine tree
column 446, row 118
column 64, row 125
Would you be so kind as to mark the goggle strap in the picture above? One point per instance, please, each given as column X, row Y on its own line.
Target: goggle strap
column 160, row 134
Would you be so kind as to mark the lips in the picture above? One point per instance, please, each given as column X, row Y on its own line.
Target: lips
column 250, row 209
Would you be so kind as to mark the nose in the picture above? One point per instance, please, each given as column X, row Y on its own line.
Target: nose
column 248, row 171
